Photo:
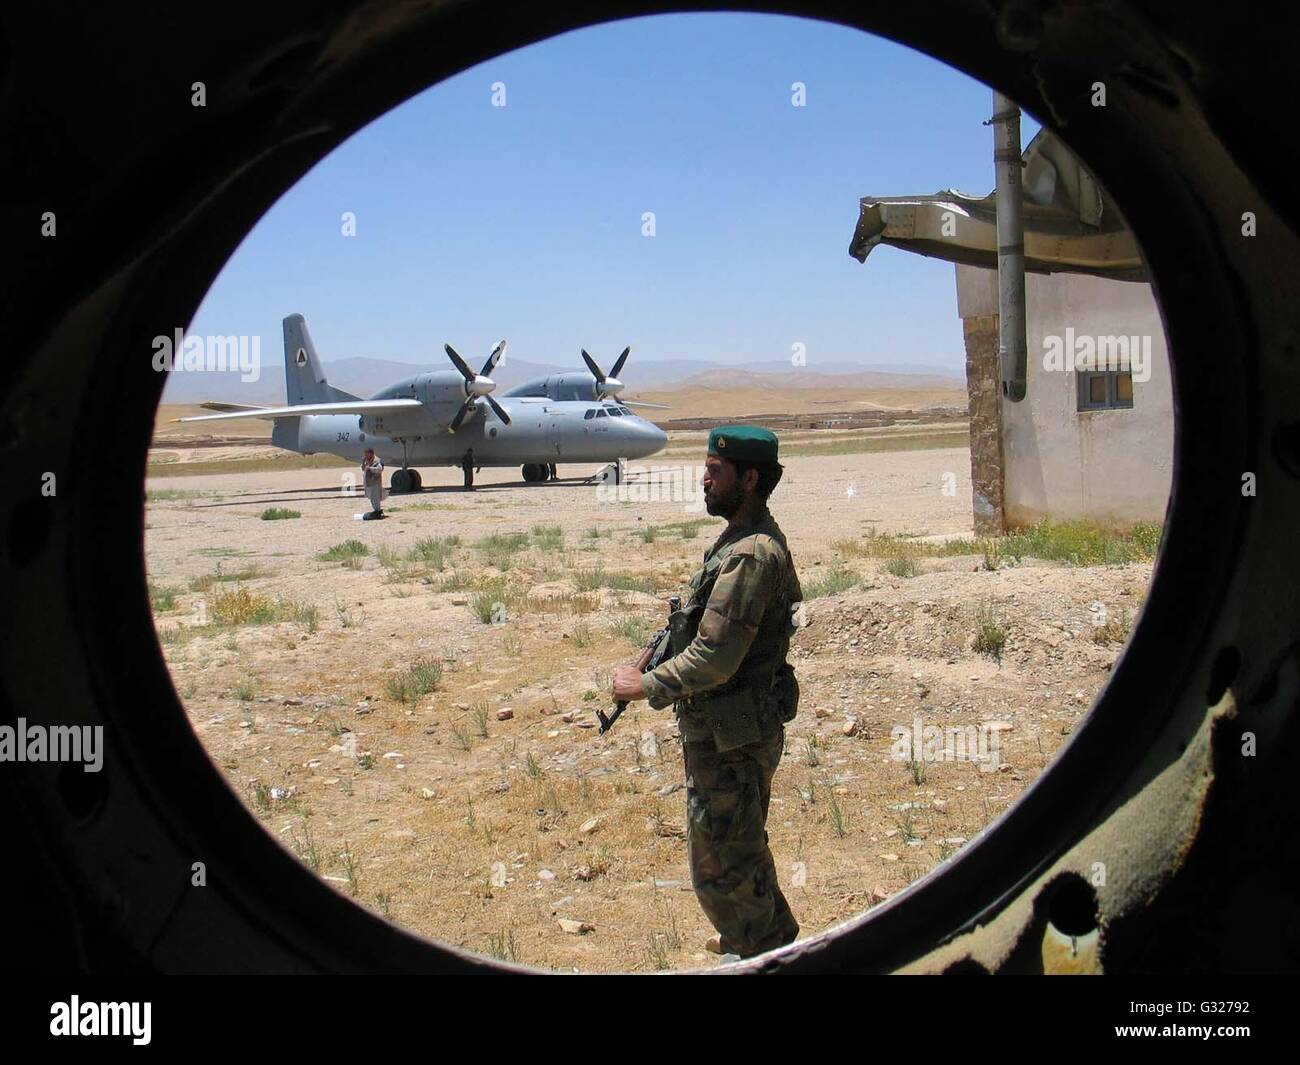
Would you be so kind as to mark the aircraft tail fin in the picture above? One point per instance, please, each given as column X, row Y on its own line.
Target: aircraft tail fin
column 304, row 380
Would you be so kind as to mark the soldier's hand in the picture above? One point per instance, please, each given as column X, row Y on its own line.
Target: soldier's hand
column 627, row 684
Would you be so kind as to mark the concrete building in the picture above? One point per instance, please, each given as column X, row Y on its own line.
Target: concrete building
column 1092, row 439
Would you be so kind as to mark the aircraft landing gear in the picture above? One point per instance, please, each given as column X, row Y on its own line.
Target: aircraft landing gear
column 405, row 480
column 467, row 468
column 537, row 471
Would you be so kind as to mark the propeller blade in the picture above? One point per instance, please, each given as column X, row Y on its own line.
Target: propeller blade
column 596, row 371
column 500, row 410
column 493, row 359
column 458, row 362
column 460, row 417
column 618, row 366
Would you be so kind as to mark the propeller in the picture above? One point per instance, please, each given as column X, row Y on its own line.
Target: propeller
column 606, row 384
column 477, row 385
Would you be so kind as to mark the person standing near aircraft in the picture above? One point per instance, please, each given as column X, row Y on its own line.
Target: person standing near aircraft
column 733, row 692
column 373, row 471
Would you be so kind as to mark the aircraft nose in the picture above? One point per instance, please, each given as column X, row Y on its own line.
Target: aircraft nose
column 648, row 438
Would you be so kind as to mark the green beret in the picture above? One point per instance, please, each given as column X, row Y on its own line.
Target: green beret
column 743, row 443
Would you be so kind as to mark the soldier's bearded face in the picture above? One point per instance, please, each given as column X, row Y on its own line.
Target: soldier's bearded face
column 723, row 493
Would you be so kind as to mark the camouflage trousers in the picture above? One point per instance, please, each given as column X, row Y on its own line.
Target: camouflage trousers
column 732, row 869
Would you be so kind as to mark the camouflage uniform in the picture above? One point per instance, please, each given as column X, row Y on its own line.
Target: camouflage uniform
column 733, row 692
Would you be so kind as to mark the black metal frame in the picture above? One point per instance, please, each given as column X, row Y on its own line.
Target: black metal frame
column 152, row 196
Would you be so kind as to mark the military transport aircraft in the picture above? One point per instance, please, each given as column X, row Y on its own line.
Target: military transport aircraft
column 449, row 417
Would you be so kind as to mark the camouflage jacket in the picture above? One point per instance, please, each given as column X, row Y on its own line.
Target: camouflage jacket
column 723, row 679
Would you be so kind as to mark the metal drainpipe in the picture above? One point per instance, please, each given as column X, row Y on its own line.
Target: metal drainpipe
column 1011, row 246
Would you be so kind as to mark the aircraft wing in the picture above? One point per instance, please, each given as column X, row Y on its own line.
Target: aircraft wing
column 353, row 406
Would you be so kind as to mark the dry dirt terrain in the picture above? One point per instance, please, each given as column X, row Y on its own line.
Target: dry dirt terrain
column 415, row 719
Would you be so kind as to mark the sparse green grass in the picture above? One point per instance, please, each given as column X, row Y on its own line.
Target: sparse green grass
column 635, row 630
column 592, row 579
column 162, row 597
column 219, row 576
column 488, row 607
column 165, row 495
column 503, row 946
column 990, row 632
column 420, row 679
column 348, row 549
column 901, row 566
column 435, row 550
column 548, row 537
column 836, row 812
column 649, row 534
column 479, row 715
column 279, row 514
column 835, row 580
column 1073, row 543
column 581, row 634
column 244, row 690
column 498, row 549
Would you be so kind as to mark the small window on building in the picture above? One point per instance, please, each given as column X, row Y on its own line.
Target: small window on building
column 1105, row 389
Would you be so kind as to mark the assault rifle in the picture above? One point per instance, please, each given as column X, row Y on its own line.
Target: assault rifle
column 652, row 656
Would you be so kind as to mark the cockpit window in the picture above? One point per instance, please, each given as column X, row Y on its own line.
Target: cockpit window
column 588, row 415
column 625, row 410
column 601, row 413
column 614, row 412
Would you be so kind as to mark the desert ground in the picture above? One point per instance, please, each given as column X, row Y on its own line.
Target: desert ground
column 409, row 705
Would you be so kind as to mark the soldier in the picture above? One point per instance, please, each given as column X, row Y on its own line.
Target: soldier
column 733, row 693
column 373, row 470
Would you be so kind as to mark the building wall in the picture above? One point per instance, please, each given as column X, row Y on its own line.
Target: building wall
column 1109, row 466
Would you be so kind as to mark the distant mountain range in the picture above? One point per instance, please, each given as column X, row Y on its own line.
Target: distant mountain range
column 364, row 376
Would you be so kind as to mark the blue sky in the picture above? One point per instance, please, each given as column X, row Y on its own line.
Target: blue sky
column 477, row 222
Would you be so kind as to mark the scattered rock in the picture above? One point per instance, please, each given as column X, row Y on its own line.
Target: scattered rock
column 668, row 789
column 428, row 793
column 850, row 727
column 583, row 872
column 505, row 714
column 576, row 928
column 292, row 702
column 362, row 708
column 889, row 857
column 649, row 745
column 879, row 894
column 590, row 825
column 545, row 874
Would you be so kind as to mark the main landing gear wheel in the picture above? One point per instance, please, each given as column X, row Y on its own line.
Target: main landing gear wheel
column 406, row 480
column 536, row 471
